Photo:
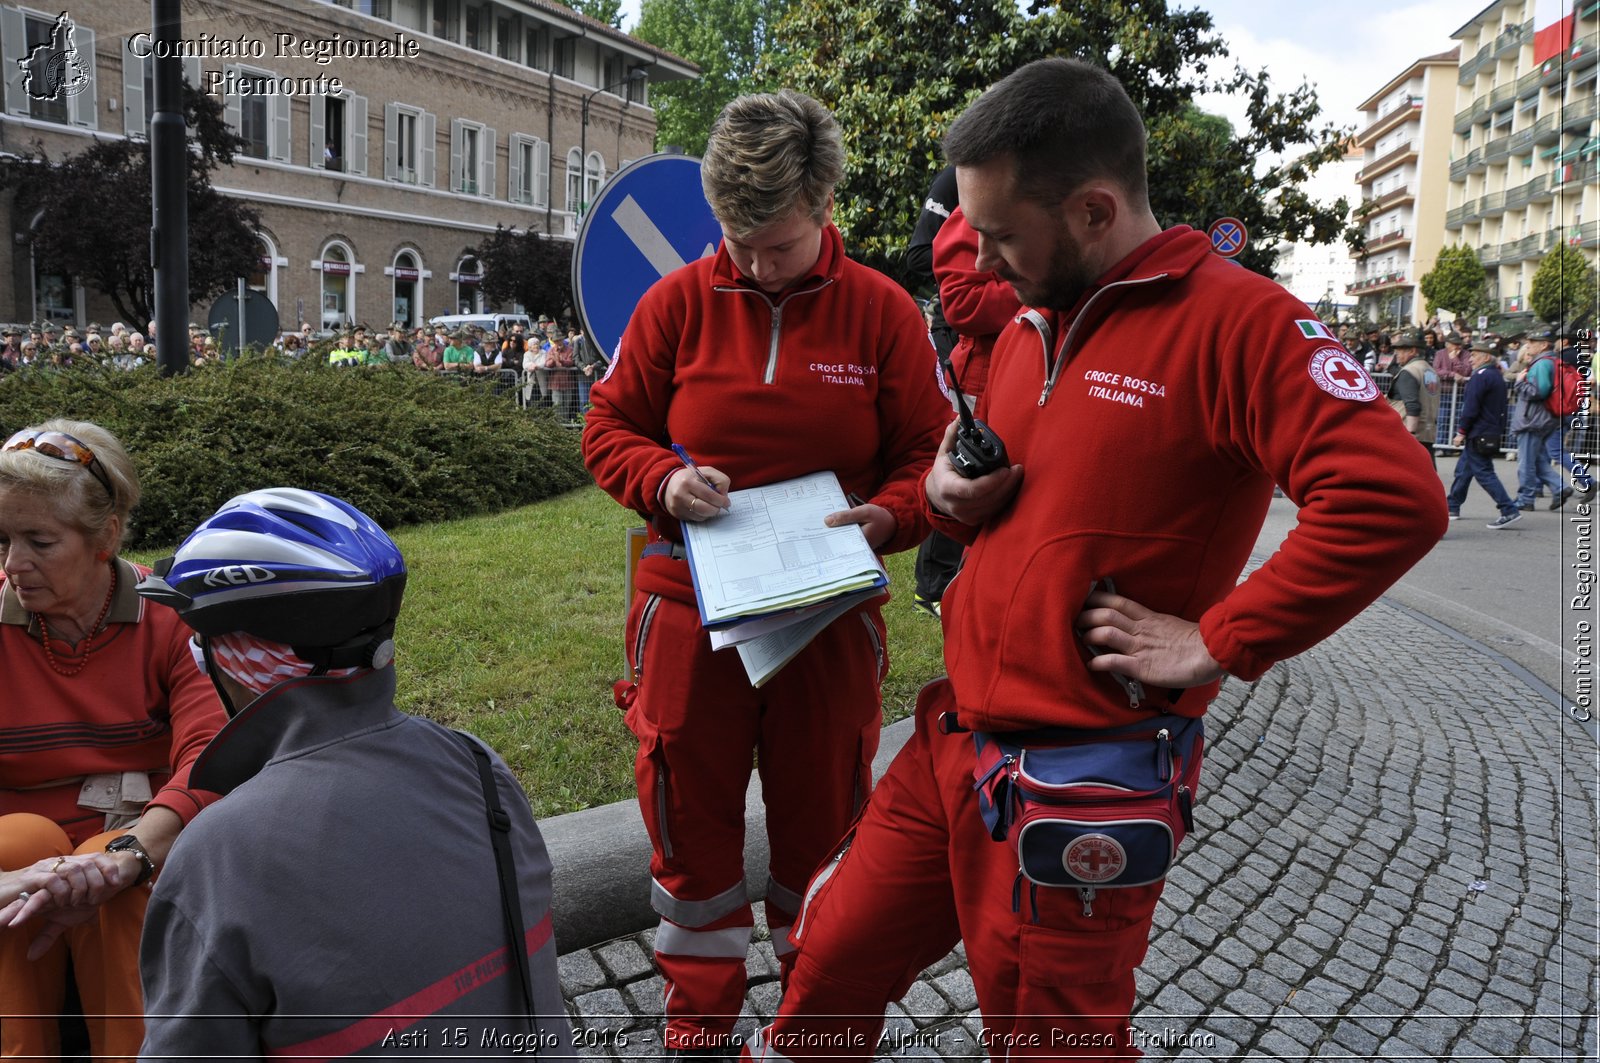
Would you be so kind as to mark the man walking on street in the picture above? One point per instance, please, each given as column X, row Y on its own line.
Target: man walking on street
column 1540, row 432
column 1483, row 422
column 1040, row 648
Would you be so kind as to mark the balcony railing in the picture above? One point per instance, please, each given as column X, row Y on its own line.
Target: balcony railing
column 1372, row 284
column 1399, row 112
column 1391, row 198
column 1583, row 53
column 1389, row 239
column 1470, row 67
column 1502, row 96
column 1456, row 217
column 1528, row 84
column 1513, row 37
column 1497, row 150
column 1388, row 161
column 1576, row 113
column 1547, row 130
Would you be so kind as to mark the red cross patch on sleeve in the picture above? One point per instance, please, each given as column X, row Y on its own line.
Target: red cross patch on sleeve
column 1339, row 373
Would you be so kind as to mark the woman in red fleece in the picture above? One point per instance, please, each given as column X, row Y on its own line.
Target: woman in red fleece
column 105, row 712
column 775, row 358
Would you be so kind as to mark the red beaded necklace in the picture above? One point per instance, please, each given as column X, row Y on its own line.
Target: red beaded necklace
column 44, row 629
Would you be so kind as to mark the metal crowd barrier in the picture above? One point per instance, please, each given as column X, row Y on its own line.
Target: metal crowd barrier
column 1583, row 442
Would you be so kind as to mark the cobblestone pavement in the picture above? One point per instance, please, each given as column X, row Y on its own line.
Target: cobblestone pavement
column 1391, row 861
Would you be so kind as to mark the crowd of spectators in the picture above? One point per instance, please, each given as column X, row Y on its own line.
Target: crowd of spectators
column 550, row 365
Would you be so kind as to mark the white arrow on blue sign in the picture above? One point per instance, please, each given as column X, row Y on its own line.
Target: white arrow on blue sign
column 650, row 219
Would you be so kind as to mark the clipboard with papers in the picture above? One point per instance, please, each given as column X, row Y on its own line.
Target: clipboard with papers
column 769, row 575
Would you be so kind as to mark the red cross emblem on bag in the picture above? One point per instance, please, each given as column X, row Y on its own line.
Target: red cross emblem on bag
column 1094, row 858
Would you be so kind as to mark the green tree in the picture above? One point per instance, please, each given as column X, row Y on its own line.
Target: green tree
column 95, row 215
column 1456, row 283
column 725, row 39
column 1564, row 287
column 898, row 74
column 528, row 268
column 607, row 11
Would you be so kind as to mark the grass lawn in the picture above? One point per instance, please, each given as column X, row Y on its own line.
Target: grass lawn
column 512, row 629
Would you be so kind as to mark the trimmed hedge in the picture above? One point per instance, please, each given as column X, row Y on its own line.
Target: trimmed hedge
column 404, row 446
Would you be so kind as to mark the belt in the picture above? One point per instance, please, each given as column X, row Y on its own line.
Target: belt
column 665, row 548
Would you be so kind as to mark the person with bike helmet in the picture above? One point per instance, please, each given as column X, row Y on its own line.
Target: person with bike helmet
column 348, row 894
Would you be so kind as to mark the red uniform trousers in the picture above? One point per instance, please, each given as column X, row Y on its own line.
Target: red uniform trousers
column 105, row 959
column 920, row 872
column 813, row 730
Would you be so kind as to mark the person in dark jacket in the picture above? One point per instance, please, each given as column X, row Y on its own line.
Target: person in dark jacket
column 349, row 896
column 1483, row 423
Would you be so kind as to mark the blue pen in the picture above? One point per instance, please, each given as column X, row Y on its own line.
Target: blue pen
column 683, row 456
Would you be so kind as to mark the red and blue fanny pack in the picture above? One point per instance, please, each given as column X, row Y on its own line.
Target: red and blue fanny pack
column 1091, row 809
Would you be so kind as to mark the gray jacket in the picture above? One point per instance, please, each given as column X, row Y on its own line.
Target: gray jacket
column 343, row 898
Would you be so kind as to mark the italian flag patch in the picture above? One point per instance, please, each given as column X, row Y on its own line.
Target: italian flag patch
column 1315, row 330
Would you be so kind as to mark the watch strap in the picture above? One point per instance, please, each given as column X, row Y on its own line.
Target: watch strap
column 127, row 843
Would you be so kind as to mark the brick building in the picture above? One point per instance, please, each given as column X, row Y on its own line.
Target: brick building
column 386, row 137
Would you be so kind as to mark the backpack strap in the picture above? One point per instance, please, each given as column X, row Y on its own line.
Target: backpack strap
column 505, row 865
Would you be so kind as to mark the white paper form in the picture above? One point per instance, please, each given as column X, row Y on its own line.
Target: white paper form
column 766, row 654
column 771, row 552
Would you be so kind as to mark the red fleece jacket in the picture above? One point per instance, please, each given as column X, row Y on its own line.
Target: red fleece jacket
column 1182, row 391
column 836, row 372
column 977, row 304
column 138, row 705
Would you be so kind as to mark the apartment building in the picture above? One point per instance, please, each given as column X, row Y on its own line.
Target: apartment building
column 385, row 138
column 1318, row 274
column 1403, row 184
column 1523, row 176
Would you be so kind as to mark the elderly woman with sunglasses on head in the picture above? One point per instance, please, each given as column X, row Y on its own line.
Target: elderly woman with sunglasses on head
column 105, row 713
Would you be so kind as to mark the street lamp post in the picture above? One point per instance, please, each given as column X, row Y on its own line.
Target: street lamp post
column 634, row 74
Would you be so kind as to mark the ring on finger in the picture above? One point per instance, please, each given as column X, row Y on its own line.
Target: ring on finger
column 59, row 865
column 693, row 505
column 23, row 896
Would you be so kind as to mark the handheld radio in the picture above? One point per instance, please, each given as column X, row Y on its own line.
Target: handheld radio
column 978, row 449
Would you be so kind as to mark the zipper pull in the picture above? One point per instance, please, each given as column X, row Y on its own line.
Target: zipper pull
column 1002, row 765
column 1044, row 395
column 1186, row 808
column 1087, row 893
column 1164, row 754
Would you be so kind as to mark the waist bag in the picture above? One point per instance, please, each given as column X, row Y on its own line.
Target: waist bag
column 1091, row 809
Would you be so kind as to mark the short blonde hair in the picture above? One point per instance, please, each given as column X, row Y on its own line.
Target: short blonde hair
column 78, row 497
column 769, row 153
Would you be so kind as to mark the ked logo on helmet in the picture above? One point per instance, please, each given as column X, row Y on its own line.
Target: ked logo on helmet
column 237, row 576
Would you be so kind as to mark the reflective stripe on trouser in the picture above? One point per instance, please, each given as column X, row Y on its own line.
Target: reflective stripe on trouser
column 104, row 951
column 813, row 730
column 919, row 873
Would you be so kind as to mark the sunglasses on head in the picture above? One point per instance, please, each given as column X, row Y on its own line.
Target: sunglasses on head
column 63, row 447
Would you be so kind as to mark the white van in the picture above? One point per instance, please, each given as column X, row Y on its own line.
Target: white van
column 487, row 322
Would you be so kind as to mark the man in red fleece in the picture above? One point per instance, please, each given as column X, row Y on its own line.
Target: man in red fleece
column 774, row 358
column 1149, row 402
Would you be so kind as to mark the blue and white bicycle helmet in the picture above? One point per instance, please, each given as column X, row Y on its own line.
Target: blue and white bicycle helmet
column 291, row 566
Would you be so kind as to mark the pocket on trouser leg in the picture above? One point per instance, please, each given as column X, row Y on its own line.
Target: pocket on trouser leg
column 655, row 791
column 1075, row 992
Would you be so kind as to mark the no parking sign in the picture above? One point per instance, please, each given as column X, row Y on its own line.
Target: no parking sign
column 1228, row 236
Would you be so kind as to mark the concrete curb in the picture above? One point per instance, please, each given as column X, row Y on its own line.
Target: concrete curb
column 601, row 858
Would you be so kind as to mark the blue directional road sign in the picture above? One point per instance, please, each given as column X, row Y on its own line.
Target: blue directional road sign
column 648, row 220
column 1228, row 236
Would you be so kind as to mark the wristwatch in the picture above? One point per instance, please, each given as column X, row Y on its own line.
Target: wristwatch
column 127, row 843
